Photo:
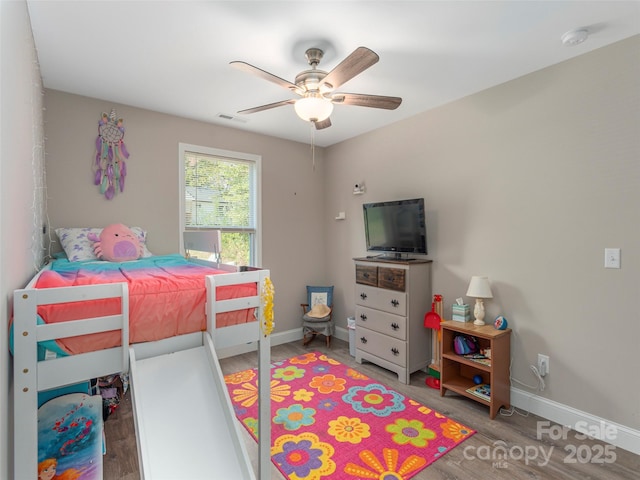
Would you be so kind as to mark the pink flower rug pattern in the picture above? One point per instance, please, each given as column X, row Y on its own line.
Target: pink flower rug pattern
column 330, row 421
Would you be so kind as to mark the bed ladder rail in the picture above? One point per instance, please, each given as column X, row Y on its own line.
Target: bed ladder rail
column 221, row 340
column 31, row 376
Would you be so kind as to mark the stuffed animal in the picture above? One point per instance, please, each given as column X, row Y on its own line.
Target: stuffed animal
column 117, row 243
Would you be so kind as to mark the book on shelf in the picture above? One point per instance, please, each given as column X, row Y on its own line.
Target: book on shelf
column 482, row 391
column 478, row 358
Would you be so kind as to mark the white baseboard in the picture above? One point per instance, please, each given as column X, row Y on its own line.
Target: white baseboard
column 276, row 339
column 341, row 333
column 582, row 422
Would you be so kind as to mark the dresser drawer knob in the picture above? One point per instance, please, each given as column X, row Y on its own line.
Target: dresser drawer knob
column 395, row 326
column 363, row 339
column 363, row 317
column 395, row 351
column 363, row 295
column 395, row 303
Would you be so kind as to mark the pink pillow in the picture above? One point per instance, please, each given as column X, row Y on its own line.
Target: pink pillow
column 117, row 243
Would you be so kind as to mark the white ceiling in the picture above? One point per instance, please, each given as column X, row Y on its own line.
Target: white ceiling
column 173, row 56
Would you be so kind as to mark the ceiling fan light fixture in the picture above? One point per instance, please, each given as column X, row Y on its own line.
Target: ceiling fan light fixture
column 313, row 107
column 316, row 87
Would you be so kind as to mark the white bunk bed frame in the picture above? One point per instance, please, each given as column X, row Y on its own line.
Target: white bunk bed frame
column 189, row 357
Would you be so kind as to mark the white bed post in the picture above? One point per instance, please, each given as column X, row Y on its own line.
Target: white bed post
column 31, row 376
column 264, row 394
column 264, row 353
column 25, row 390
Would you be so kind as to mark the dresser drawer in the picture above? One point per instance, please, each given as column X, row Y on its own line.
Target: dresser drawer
column 367, row 275
column 391, row 278
column 383, row 346
column 382, row 322
column 381, row 299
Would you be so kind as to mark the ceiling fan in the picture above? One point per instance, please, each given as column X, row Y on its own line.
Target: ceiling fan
column 317, row 87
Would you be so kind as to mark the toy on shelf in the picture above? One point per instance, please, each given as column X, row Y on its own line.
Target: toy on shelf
column 500, row 323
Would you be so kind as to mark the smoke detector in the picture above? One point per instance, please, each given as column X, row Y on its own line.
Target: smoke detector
column 575, row 37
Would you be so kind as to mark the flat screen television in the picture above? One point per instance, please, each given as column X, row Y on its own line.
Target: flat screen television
column 395, row 227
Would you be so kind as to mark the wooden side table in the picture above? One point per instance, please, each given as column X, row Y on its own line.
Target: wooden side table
column 457, row 371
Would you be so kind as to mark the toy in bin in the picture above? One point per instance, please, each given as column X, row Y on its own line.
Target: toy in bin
column 432, row 320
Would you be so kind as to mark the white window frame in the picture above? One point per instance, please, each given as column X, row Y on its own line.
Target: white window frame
column 257, row 193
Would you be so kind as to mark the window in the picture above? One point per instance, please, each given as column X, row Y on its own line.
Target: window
column 220, row 190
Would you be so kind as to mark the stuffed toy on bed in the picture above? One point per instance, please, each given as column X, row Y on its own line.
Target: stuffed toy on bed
column 117, row 243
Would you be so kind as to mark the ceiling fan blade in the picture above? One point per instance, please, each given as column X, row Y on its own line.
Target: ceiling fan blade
column 356, row 63
column 362, row 100
column 246, row 67
column 268, row 106
column 323, row 124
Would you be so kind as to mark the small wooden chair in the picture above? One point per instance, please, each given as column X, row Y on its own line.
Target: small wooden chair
column 318, row 321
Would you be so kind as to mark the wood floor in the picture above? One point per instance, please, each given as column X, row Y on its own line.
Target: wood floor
column 528, row 455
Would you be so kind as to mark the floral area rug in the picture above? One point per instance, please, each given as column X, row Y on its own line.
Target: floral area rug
column 330, row 421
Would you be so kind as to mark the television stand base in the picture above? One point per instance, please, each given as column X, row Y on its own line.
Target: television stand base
column 392, row 259
column 392, row 256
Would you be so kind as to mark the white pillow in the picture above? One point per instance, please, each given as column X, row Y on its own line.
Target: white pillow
column 78, row 247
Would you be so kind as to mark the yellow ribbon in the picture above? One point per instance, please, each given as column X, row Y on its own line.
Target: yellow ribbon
column 267, row 301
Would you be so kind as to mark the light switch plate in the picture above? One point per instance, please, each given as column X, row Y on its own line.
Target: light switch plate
column 611, row 258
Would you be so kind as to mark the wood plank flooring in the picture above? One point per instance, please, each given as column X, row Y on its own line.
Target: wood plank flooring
column 524, row 454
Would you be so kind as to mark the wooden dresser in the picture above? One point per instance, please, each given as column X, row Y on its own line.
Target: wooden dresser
column 391, row 299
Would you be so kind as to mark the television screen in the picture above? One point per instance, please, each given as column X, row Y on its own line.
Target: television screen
column 396, row 226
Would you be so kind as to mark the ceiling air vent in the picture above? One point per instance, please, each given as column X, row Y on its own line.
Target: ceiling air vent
column 231, row 118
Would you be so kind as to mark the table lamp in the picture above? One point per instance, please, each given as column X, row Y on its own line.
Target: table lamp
column 479, row 289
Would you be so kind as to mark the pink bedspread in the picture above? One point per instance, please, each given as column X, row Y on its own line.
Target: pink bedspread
column 166, row 298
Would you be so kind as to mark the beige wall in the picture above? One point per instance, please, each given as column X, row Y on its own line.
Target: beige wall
column 21, row 180
column 292, row 192
column 527, row 183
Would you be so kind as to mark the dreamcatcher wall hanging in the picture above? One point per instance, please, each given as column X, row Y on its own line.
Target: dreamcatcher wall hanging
column 111, row 152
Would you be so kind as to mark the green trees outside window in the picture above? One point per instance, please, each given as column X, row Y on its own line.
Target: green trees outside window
column 220, row 194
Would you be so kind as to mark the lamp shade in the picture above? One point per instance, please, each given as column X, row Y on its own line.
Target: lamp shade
column 313, row 107
column 479, row 287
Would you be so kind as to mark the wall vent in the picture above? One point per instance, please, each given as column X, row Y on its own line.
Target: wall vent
column 231, row 118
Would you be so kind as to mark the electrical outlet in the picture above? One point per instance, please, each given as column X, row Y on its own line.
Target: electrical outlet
column 543, row 364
